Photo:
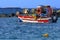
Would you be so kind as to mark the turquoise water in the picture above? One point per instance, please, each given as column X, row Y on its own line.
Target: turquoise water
column 10, row 28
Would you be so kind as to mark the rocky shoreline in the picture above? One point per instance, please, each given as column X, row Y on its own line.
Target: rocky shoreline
column 7, row 15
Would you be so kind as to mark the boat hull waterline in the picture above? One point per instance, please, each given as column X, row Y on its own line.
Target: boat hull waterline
column 32, row 20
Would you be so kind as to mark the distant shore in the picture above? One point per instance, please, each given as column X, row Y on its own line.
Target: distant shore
column 11, row 12
column 14, row 15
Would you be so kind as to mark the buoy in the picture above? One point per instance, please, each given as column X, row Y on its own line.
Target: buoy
column 45, row 35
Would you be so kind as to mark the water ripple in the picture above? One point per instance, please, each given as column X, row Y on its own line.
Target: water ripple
column 10, row 28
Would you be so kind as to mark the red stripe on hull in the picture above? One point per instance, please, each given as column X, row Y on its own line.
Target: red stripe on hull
column 45, row 21
column 26, row 16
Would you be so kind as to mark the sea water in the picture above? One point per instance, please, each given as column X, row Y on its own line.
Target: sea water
column 10, row 28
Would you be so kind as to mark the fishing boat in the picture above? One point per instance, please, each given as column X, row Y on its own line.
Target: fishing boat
column 53, row 18
column 32, row 20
